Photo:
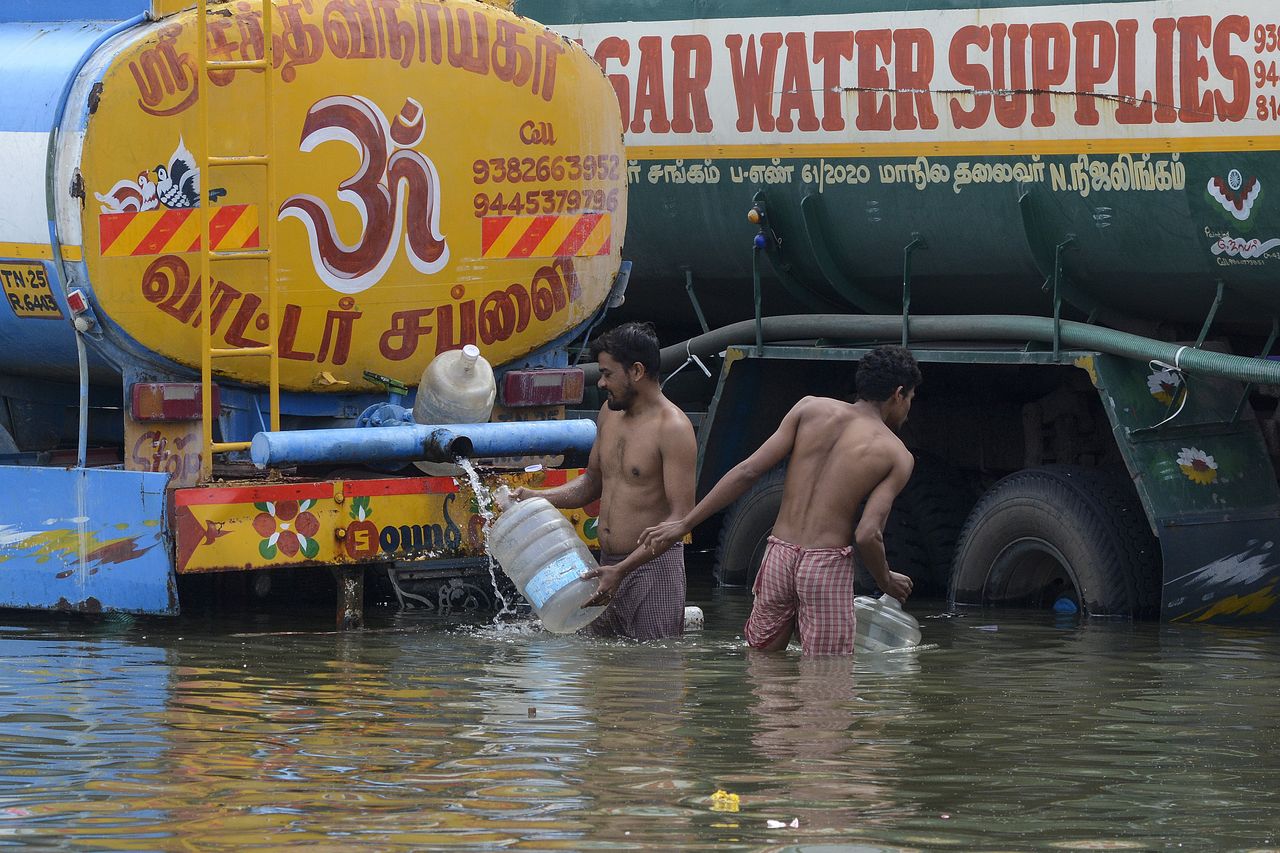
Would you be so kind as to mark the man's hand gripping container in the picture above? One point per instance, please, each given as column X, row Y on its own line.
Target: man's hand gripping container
column 540, row 551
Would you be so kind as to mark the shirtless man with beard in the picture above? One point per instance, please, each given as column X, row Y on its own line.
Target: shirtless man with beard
column 641, row 470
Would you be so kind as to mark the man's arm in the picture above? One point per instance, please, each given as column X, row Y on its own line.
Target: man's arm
column 579, row 491
column 679, row 451
column 732, row 485
column 869, row 535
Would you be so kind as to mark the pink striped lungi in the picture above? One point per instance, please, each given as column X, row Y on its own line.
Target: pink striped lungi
column 808, row 588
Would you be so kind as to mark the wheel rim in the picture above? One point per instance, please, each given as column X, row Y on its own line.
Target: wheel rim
column 1030, row 572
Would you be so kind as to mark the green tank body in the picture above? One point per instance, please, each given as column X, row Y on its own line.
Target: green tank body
column 1126, row 149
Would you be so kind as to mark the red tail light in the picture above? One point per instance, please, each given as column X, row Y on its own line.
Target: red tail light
column 549, row 387
column 167, row 401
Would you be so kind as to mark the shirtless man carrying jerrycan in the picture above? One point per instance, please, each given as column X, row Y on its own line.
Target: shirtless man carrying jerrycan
column 641, row 470
column 840, row 453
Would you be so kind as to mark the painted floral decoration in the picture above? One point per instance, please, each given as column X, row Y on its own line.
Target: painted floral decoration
column 1198, row 465
column 287, row 527
column 1163, row 384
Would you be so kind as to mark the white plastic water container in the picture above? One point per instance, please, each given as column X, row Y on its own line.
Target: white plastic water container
column 456, row 388
column 882, row 625
column 540, row 551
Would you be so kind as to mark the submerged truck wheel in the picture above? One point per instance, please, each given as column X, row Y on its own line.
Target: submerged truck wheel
column 746, row 529
column 1045, row 534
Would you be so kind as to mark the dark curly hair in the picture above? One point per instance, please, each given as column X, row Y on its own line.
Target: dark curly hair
column 883, row 370
column 631, row 343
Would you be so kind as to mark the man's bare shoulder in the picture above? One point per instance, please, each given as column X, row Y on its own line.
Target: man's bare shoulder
column 822, row 406
column 674, row 423
column 897, row 450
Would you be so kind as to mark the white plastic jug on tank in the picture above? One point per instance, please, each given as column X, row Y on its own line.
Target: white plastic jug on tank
column 456, row 388
column 882, row 625
column 540, row 551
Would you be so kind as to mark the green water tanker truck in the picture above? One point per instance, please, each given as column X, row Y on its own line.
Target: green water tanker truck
column 1068, row 212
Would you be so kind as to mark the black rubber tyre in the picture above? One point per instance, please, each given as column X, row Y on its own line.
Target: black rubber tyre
column 746, row 527
column 1060, row 531
column 935, row 504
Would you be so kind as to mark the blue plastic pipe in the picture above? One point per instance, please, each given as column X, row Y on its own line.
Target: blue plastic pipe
column 421, row 443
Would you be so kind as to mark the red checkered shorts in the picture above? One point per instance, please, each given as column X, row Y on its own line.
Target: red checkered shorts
column 809, row 588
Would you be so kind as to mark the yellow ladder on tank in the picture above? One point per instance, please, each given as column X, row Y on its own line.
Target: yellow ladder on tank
column 264, row 254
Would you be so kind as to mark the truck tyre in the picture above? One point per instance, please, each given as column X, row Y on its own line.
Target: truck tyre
column 934, row 506
column 1060, row 532
column 746, row 527
column 749, row 521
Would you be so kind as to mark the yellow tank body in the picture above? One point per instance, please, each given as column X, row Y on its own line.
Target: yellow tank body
column 446, row 173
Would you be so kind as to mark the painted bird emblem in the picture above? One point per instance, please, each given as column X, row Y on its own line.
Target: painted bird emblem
column 178, row 184
column 127, row 196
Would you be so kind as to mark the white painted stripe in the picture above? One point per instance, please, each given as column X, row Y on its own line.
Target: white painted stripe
column 24, row 217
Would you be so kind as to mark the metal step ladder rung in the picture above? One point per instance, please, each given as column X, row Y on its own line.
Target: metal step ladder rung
column 241, row 255
column 228, row 446
column 236, row 65
column 236, row 352
column 266, row 199
column 239, row 160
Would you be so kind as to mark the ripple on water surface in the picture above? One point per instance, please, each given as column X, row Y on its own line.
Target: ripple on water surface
column 416, row 734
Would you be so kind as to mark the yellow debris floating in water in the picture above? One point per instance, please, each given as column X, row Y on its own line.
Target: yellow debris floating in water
column 723, row 801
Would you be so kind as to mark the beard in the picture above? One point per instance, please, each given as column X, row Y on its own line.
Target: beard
column 621, row 401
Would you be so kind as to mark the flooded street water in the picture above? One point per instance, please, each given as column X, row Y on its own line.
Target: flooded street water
column 1004, row 733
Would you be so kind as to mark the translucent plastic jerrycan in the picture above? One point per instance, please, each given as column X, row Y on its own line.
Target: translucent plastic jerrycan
column 540, row 551
column 456, row 388
column 882, row 625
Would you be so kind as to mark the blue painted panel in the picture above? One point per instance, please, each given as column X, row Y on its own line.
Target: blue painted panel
column 71, row 10
column 85, row 539
column 35, row 61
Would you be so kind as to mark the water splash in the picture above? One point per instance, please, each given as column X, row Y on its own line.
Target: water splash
column 484, row 501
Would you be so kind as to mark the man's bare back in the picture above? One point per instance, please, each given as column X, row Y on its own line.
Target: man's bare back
column 633, row 495
column 839, row 455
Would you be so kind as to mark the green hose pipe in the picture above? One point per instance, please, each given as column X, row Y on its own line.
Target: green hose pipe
column 970, row 327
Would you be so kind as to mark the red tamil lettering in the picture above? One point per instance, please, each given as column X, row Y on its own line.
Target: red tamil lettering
column 220, row 299
column 289, row 324
column 338, row 326
column 401, row 340
column 971, row 75
column 691, row 75
column 1050, row 65
column 512, row 61
column 828, row 51
column 1095, row 65
column 753, row 78
column 468, row 36
column 873, row 108
column 547, row 50
column 445, row 339
column 235, row 335
column 913, row 79
column 651, row 93
column 797, row 89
